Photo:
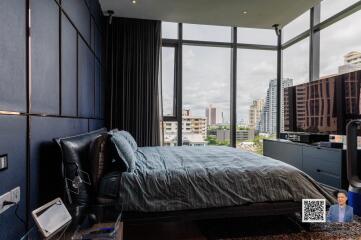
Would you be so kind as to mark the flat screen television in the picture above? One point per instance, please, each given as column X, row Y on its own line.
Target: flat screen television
column 323, row 106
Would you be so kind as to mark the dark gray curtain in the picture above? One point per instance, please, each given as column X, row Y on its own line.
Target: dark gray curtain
column 132, row 53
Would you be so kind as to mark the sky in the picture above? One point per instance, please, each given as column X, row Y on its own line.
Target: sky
column 206, row 70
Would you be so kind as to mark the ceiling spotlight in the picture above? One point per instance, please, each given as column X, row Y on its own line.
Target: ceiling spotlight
column 244, row 12
column 134, row 1
column 110, row 13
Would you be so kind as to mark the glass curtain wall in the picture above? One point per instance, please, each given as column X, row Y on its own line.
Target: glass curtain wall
column 206, row 67
column 256, row 98
column 336, row 56
column 206, row 96
column 206, row 79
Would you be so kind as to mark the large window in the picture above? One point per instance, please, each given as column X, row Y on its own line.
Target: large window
column 168, row 81
column 256, row 96
column 256, row 36
column 206, row 33
column 206, row 95
column 296, row 62
column 340, row 47
column 332, row 7
column 169, row 30
column 297, row 26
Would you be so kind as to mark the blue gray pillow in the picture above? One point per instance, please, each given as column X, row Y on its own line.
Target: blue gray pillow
column 124, row 151
column 130, row 139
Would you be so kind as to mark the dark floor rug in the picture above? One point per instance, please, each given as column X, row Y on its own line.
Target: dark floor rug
column 316, row 231
column 250, row 228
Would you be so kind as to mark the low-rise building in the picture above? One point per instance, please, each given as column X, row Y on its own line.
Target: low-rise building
column 241, row 135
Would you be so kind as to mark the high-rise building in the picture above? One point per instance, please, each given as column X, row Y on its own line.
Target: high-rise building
column 211, row 115
column 352, row 62
column 314, row 106
column 255, row 111
column 268, row 123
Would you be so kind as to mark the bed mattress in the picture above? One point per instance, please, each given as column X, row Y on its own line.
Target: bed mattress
column 182, row 178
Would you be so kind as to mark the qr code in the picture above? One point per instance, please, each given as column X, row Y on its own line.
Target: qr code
column 313, row 210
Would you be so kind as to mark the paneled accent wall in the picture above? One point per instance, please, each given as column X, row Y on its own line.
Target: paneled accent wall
column 51, row 86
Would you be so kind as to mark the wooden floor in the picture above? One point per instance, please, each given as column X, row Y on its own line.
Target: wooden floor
column 213, row 229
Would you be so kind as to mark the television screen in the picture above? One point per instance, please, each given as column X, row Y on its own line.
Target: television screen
column 323, row 106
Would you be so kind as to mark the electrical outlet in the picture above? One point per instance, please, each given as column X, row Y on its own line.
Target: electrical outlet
column 3, row 198
column 15, row 195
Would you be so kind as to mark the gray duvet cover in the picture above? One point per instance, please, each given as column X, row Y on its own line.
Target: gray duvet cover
column 179, row 178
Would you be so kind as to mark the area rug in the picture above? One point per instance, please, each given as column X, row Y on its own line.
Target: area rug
column 317, row 231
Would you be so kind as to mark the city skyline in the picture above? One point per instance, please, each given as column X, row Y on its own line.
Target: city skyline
column 199, row 112
column 206, row 70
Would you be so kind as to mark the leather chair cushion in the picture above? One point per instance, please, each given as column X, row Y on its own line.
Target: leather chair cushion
column 75, row 154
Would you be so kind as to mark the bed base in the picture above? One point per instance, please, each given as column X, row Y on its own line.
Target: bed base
column 110, row 213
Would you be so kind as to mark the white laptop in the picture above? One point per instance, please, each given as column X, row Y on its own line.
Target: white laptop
column 51, row 217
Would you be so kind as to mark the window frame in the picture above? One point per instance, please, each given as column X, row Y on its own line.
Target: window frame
column 174, row 114
column 314, row 59
column 234, row 45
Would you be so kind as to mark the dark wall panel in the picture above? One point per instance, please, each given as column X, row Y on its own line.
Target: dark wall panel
column 85, row 80
column 98, row 43
column 97, row 89
column 95, row 10
column 43, row 151
column 13, row 143
column 102, row 96
column 95, row 124
column 12, row 56
column 53, row 53
column 45, row 57
column 78, row 12
column 69, row 68
column 92, row 37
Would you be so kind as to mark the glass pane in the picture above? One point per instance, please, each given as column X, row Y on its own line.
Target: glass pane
column 256, row 36
column 296, row 68
column 296, row 62
column 168, row 80
column 340, row 46
column 169, row 30
column 296, row 27
column 206, row 33
column 256, row 110
column 170, row 133
column 332, row 7
column 206, row 95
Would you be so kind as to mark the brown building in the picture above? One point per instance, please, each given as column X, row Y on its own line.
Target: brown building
column 323, row 106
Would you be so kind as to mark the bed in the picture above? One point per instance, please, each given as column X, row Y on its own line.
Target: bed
column 204, row 182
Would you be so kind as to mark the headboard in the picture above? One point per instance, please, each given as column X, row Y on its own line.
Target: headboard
column 74, row 157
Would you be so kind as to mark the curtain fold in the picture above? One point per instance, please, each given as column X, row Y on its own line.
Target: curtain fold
column 132, row 53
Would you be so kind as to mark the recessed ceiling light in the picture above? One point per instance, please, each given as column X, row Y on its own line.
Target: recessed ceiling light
column 244, row 12
column 134, row 2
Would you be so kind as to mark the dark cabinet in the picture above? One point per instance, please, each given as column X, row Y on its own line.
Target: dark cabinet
column 325, row 165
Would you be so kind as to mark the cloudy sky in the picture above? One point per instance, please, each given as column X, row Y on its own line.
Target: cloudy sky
column 206, row 70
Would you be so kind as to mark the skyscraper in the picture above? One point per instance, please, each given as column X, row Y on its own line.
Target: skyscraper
column 211, row 115
column 255, row 111
column 268, row 122
column 352, row 62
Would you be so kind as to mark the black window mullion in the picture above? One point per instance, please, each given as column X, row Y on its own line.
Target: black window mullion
column 314, row 68
column 179, row 101
column 233, row 89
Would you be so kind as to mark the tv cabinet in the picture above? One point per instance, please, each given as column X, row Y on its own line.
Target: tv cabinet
column 325, row 165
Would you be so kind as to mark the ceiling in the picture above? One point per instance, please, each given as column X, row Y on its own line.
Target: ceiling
column 260, row 13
